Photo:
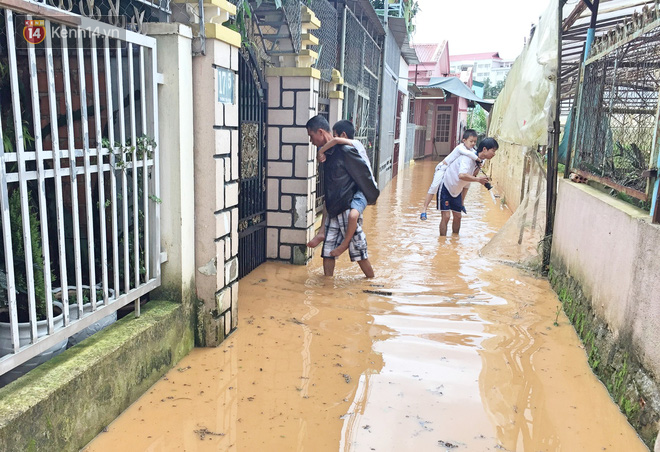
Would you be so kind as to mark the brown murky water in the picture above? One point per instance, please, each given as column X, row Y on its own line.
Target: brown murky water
column 443, row 348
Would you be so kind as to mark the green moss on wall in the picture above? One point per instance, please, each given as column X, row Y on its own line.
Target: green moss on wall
column 62, row 404
column 612, row 359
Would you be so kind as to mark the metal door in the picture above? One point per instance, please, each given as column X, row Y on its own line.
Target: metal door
column 397, row 134
column 252, row 107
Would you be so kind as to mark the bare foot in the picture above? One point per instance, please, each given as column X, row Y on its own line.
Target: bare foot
column 318, row 238
column 339, row 250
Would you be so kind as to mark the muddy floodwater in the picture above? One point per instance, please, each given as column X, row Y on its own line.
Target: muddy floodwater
column 442, row 350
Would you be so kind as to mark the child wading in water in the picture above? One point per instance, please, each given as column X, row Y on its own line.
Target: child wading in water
column 465, row 148
column 344, row 133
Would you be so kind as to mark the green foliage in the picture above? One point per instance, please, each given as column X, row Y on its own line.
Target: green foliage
column 477, row 120
column 144, row 145
column 241, row 22
column 410, row 11
column 628, row 162
column 18, row 245
column 492, row 91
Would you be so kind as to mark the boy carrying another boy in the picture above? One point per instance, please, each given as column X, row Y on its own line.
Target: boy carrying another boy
column 465, row 148
column 345, row 173
column 459, row 175
column 343, row 134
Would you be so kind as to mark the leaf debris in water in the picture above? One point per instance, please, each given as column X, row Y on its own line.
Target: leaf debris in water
column 378, row 292
column 202, row 432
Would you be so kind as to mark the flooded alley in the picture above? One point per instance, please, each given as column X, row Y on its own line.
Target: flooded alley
column 443, row 350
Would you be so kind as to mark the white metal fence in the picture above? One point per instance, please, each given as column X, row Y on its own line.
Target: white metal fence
column 79, row 179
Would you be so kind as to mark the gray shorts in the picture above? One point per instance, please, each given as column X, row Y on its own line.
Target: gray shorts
column 335, row 231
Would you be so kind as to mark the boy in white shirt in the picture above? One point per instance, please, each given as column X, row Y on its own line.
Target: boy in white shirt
column 344, row 133
column 458, row 176
column 465, row 148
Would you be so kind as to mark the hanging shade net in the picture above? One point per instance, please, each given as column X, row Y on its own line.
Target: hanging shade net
column 455, row 86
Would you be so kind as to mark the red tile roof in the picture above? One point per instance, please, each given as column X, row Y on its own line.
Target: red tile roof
column 429, row 52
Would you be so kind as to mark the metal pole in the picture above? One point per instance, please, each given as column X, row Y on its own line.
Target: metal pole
column 551, row 194
column 574, row 123
column 591, row 32
column 343, row 42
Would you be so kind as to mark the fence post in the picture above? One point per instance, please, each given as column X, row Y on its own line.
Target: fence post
column 175, row 118
column 551, row 195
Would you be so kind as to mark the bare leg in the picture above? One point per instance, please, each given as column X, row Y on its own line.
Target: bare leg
column 328, row 266
column 427, row 201
column 446, row 214
column 353, row 217
column 365, row 265
column 320, row 236
column 456, row 222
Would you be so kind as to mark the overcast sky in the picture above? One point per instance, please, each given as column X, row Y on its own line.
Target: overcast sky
column 474, row 26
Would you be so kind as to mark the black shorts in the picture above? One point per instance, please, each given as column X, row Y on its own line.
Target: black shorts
column 449, row 202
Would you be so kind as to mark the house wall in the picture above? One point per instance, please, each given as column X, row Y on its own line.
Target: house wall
column 422, row 107
column 388, row 100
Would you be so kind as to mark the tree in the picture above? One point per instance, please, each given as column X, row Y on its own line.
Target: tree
column 477, row 120
column 492, row 91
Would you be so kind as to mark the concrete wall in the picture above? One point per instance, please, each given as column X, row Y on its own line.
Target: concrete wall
column 507, row 169
column 64, row 403
column 611, row 248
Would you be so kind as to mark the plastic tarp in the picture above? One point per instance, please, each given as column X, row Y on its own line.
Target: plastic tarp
column 455, row 86
column 525, row 108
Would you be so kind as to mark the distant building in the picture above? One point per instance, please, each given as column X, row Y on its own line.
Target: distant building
column 440, row 108
column 484, row 66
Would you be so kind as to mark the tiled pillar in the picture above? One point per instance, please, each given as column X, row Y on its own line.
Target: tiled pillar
column 336, row 98
column 215, row 112
column 293, row 100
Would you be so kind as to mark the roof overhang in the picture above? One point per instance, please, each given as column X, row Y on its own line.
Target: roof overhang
column 457, row 88
column 399, row 30
column 370, row 12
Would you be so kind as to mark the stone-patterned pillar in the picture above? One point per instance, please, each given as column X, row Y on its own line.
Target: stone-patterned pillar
column 291, row 190
column 293, row 95
column 215, row 95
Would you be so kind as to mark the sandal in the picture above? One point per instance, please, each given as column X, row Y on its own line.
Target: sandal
column 422, row 216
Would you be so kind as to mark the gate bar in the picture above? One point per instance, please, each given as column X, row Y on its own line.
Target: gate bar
column 59, row 200
column 41, row 183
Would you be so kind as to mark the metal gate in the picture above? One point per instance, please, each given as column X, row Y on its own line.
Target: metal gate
column 79, row 198
column 252, row 159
